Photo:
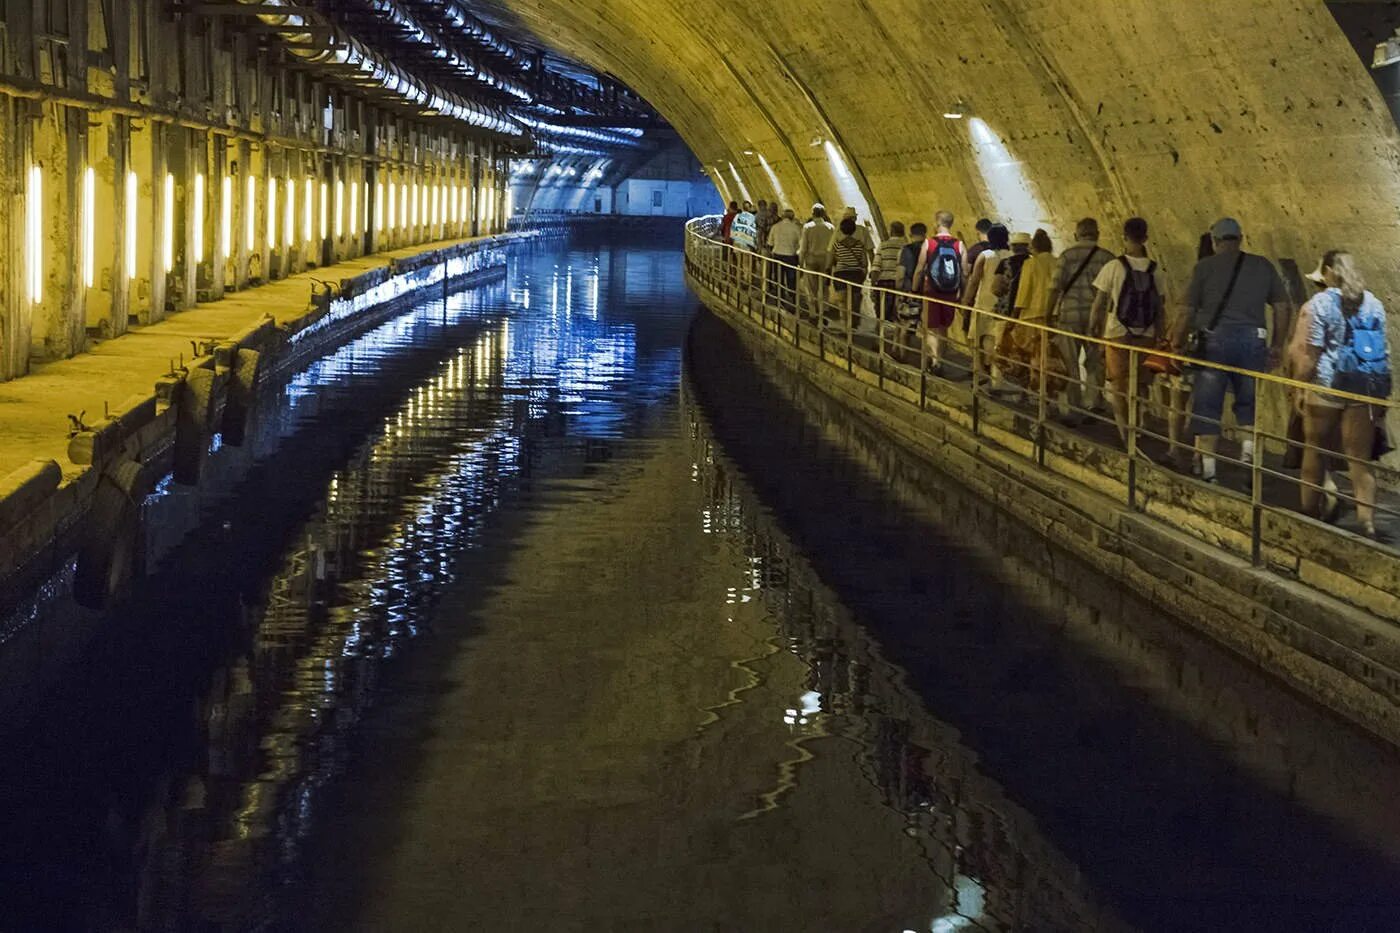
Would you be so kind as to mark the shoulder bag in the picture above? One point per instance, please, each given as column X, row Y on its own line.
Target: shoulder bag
column 1196, row 343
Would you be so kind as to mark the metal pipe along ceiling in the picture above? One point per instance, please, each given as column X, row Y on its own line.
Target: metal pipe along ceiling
column 475, row 30
column 434, row 44
column 624, row 136
column 369, row 70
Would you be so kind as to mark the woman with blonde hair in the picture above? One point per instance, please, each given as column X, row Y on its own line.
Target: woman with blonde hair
column 1341, row 345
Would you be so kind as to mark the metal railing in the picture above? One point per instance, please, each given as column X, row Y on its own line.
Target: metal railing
column 1029, row 381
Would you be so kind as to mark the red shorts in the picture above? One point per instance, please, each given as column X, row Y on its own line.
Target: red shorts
column 938, row 314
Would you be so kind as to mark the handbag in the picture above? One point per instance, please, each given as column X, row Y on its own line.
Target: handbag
column 908, row 309
column 1198, row 340
column 1159, row 364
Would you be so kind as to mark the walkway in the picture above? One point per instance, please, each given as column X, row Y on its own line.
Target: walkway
column 34, row 408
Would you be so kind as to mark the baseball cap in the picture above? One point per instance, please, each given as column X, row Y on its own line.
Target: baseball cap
column 819, row 206
column 1226, row 228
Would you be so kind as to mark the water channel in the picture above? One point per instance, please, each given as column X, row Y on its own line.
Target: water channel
column 545, row 609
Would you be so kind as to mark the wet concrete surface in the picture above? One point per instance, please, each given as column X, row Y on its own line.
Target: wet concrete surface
column 527, row 618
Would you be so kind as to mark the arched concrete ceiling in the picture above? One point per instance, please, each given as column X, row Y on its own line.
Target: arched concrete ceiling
column 1180, row 111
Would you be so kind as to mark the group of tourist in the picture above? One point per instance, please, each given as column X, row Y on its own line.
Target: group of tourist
column 1336, row 341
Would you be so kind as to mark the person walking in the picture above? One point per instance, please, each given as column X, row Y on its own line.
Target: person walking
column 909, row 255
column 1343, row 348
column 762, row 222
column 910, row 310
column 976, row 249
column 786, row 240
column 980, row 294
column 1224, row 322
column 887, row 270
column 726, row 226
column 1032, row 306
column 850, row 264
column 939, row 276
column 1071, row 303
column 862, row 233
column 814, row 253
column 1129, row 309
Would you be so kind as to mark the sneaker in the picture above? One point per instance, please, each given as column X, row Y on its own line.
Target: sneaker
column 1331, row 502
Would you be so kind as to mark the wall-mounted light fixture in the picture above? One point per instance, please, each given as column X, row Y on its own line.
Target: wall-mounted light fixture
column 339, row 208
column 198, row 231
column 308, row 197
column 289, row 214
column 167, row 223
column 250, row 213
column 226, row 215
column 89, row 226
column 130, row 225
column 34, row 232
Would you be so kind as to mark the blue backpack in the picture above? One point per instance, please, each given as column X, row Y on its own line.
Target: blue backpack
column 1363, row 361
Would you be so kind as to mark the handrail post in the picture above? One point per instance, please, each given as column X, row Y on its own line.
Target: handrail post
column 1256, row 496
column 976, row 370
column 921, row 335
column 850, row 314
column 1042, row 405
column 1132, row 426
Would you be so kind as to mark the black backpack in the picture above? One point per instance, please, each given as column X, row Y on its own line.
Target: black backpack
column 944, row 270
column 1137, row 302
column 1011, row 267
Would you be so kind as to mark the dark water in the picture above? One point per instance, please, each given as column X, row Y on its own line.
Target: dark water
column 527, row 618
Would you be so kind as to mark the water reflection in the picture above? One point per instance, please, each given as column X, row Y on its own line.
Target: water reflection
column 990, row 866
column 251, row 657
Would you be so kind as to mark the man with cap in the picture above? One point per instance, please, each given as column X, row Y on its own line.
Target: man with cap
column 814, row 252
column 785, row 237
column 1224, row 307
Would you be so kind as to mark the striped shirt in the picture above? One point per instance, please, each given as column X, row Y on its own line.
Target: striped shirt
column 849, row 254
column 888, row 259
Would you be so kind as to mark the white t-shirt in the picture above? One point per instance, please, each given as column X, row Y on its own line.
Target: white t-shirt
column 1110, row 281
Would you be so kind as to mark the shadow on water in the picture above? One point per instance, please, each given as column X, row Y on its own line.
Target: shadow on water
column 1193, row 792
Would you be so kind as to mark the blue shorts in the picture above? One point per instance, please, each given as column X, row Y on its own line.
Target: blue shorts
column 1242, row 348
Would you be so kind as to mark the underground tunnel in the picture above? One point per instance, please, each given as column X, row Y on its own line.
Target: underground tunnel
column 441, row 489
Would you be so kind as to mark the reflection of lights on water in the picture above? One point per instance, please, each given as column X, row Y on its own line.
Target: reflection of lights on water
column 808, row 705
column 969, row 906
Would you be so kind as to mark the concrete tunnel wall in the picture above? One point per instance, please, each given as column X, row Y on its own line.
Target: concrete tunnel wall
column 1179, row 111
